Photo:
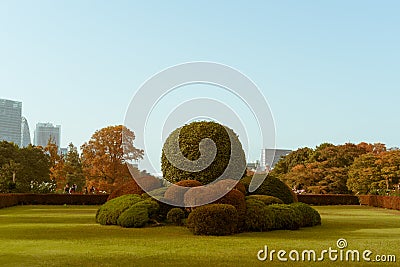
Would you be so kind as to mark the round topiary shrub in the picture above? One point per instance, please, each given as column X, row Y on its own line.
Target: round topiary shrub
column 257, row 217
column 236, row 199
column 189, row 138
column 136, row 216
column 309, row 216
column 286, row 217
column 177, row 194
column 176, row 216
column 271, row 186
column 151, row 206
column 213, row 219
column 267, row 200
column 109, row 212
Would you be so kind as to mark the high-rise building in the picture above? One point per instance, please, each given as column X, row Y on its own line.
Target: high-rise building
column 45, row 132
column 25, row 133
column 269, row 157
column 10, row 121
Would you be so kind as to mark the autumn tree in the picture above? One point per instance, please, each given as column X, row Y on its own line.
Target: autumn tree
column 105, row 155
column 57, row 173
column 323, row 169
column 374, row 173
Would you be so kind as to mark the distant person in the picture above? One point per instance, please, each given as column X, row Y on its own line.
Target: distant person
column 67, row 189
column 92, row 190
column 86, row 191
column 72, row 190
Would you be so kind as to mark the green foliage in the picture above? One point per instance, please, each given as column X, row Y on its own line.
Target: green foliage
column 236, row 199
column 189, row 138
column 257, row 217
column 176, row 216
column 109, row 212
column 213, row 219
column 271, row 186
column 73, row 167
column 309, row 216
column 151, row 206
column 136, row 216
column 267, row 200
column 20, row 166
column 286, row 217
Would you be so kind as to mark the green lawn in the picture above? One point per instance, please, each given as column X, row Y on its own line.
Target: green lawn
column 68, row 235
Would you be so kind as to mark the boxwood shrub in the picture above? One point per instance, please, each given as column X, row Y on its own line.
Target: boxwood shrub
column 267, row 200
column 271, row 186
column 286, row 217
column 236, row 199
column 213, row 219
column 136, row 216
column 257, row 217
column 109, row 212
column 309, row 216
column 176, row 216
column 189, row 137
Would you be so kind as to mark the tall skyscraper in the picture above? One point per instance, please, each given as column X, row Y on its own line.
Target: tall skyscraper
column 25, row 133
column 10, row 121
column 269, row 157
column 46, row 131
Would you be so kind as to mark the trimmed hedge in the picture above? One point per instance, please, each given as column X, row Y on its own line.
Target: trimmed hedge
column 136, row 216
column 286, row 217
column 309, row 216
column 108, row 213
column 258, row 218
column 328, row 199
column 213, row 219
column 388, row 202
column 7, row 200
column 236, row 199
column 189, row 137
column 176, row 216
column 271, row 186
column 267, row 200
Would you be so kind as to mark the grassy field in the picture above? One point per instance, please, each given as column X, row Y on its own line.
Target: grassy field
column 68, row 235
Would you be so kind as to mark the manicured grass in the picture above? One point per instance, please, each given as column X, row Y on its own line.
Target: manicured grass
column 69, row 236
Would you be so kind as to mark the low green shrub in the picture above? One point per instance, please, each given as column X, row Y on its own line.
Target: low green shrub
column 257, row 217
column 309, row 216
column 213, row 219
column 286, row 217
column 271, row 186
column 136, row 216
column 236, row 199
column 108, row 213
column 267, row 200
column 176, row 216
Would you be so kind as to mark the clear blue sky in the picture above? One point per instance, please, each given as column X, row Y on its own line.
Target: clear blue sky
column 329, row 69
